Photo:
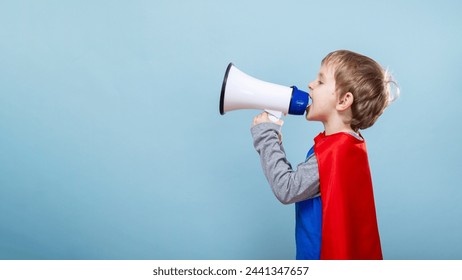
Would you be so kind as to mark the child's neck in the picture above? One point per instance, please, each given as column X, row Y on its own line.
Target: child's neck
column 332, row 128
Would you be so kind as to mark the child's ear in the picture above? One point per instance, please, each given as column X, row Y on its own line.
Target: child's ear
column 345, row 102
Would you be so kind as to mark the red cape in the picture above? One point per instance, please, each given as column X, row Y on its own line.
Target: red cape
column 349, row 223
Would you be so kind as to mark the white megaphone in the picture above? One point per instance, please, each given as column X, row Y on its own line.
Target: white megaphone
column 241, row 91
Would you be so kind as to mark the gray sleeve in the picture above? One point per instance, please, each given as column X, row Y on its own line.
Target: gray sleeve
column 288, row 185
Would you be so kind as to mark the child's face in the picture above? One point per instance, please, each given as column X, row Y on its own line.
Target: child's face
column 323, row 95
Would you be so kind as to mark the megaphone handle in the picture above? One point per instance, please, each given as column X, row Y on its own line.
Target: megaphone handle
column 274, row 116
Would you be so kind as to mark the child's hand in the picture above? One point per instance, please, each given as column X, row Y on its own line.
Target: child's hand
column 263, row 117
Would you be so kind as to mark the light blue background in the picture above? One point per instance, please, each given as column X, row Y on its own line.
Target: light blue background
column 112, row 147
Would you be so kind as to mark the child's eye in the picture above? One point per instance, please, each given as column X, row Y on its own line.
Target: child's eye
column 320, row 82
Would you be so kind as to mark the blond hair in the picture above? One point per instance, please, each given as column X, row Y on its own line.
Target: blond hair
column 369, row 83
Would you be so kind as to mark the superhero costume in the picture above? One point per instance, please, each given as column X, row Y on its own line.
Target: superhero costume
column 349, row 223
column 302, row 187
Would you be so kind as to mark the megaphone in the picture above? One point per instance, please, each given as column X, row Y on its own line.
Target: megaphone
column 241, row 91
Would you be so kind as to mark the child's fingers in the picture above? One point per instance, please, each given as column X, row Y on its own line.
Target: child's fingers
column 264, row 117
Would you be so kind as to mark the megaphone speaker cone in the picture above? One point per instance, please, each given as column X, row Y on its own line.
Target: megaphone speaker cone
column 242, row 91
column 223, row 88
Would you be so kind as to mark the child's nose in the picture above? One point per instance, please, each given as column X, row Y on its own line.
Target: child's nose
column 310, row 86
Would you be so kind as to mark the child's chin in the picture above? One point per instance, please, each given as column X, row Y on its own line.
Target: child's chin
column 308, row 116
column 311, row 117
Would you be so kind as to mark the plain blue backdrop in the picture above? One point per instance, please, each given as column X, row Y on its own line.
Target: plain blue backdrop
column 112, row 146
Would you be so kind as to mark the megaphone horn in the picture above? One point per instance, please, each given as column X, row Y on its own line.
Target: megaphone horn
column 242, row 91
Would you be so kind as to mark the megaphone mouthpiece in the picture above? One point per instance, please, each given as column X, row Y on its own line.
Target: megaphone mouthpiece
column 299, row 101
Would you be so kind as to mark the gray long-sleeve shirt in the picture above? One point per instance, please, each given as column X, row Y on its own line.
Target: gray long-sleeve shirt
column 288, row 185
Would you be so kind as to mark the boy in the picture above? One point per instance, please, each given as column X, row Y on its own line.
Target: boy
column 332, row 189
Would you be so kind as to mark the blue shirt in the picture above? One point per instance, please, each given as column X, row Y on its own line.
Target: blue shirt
column 308, row 226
